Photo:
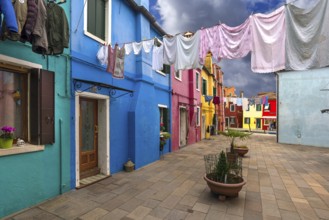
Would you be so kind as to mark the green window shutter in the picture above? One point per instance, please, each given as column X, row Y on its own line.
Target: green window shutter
column 204, row 87
column 214, row 92
column 42, row 107
column 96, row 18
column 166, row 69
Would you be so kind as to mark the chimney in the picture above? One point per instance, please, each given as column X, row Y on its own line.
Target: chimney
column 241, row 94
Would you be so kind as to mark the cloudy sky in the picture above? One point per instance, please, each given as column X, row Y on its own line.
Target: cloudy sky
column 176, row 16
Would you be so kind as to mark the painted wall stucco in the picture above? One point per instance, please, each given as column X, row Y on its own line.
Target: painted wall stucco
column 253, row 115
column 134, row 121
column 30, row 178
column 301, row 100
column 185, row 95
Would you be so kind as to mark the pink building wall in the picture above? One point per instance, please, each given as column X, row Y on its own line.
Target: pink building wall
column 185, row 95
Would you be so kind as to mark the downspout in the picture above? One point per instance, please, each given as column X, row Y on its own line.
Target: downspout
column 60, row 158
column 277, row 107
column 170, row 107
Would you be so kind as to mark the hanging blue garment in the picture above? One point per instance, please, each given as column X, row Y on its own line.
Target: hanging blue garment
column 7, row 9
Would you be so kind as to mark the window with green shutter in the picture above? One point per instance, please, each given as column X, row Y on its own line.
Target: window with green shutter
column 204, row 87
column 96, row 18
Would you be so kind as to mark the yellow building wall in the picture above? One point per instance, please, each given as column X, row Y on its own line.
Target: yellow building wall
column 208, row 108
column 253, row 115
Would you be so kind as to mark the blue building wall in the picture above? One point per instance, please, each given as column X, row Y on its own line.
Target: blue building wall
column 30, row 178
column 134, row 120
column 301, row 97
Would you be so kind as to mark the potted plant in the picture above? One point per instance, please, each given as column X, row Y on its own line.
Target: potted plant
column 163, row 136
column 7, row 137
column 234, row 148
column 223, row 178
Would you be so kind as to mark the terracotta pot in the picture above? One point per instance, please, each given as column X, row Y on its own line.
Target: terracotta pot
column 224, row 189
column 241, row 151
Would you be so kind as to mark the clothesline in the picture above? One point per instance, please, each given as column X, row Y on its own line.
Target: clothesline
column 182, row 33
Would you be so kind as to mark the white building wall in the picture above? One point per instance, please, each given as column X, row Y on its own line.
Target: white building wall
column 301, row 97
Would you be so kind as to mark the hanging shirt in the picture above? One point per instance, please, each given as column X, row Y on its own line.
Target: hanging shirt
column 235, row 42
column 209, row 42
column 7, row 9
column 116, row 61
column 137, row 47
column 216, row 100
column 307, row 43
column 268, row 33
column 239, row 102
column 157, row 58
column 182, row 51
column 102, row 55
column 245, row 105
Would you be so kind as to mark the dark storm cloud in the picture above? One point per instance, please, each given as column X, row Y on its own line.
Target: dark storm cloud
column 190, row 15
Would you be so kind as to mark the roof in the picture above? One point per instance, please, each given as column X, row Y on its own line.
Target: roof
column 147, row 14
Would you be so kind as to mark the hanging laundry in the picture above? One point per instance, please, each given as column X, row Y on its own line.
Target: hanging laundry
column 57, row 29
column 39, row 38
column 258, row 101
column 307, row 43
column 32, row 12
column 208, row 98
column 157, row 58
column 239, row 102
column 216, row 100
column 235, row 42
column 182, row 51
column 137, row 47
column 7, row 9
column 116, row 58
column 251, row 101
column 102, row 55
column 233, row 100
column 268, row 33
column 209, row 42
column 245, row 104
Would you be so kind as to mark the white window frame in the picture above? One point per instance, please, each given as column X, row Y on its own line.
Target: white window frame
column 198, row 116
column 232, row 105
column 26, row 148
column 108, row 23
column 180, row 75
column 198, row 76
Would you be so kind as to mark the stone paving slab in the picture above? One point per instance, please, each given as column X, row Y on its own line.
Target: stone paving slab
column 283, row 182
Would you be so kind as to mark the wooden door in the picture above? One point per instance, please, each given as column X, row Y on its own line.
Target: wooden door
column 183, row 127
column 88, row 137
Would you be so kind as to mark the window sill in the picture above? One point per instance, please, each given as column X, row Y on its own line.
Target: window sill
column 27, row 148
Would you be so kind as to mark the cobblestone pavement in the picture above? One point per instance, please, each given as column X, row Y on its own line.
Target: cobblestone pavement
column 283, row 182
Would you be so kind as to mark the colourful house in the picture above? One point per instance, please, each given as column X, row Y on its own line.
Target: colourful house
column 208, row 116
column 252, row 117
column 186, row 108
column 115, row 120
column 35, row 99
column 269, row 117
column 233, row 113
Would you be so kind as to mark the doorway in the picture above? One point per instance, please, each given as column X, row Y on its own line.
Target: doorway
column 203, row 127
column 92, row 135
column 88, row 130
column 258, row 123
column 182, row 126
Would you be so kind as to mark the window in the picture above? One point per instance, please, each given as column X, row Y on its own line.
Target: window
column 165, row 70
column 164, row 117
column 258, row 107
column 247, row 120
column 178, row 74
column 197, row 116
column 204, row 86
column 97, row 22
column 267, row 107
column 197, row 80
column 214, row 91
column 232, row 108
column 232, row 120
column 27, row 103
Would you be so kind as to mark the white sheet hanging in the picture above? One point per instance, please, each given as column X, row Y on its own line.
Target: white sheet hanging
column 209, row 42
column 137, row 47
column 307, row 43
column 268, row 33
column 235, row 42
column 182, row 51
column 157, row 58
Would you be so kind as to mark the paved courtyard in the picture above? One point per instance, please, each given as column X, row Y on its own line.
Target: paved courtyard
column 283, row 182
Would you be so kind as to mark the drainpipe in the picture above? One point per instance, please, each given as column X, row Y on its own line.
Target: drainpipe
column 60, row 157
column 170, row 107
